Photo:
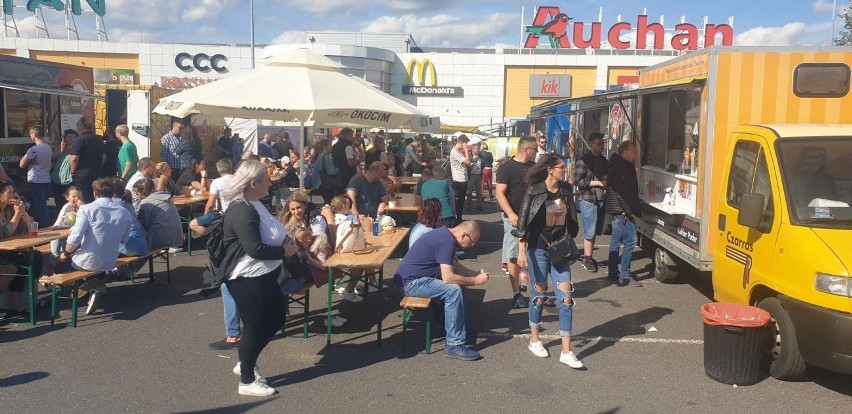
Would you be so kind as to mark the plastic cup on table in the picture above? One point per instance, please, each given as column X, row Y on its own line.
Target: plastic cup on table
column 33, row 229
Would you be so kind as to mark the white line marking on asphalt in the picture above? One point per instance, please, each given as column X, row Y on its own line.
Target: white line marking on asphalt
column 595, row 338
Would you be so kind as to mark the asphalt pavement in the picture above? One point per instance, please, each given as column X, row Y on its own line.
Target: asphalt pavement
column 147, row 351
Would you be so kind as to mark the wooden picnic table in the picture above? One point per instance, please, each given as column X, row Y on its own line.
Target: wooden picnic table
column 379, row 248
column 26, row 243
column 402, row 205
column 408, row 181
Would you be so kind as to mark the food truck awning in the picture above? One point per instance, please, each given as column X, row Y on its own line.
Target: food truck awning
column 50, row 91
column 604, row 99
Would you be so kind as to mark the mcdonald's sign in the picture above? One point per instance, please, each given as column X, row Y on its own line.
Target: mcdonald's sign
column 416, row 84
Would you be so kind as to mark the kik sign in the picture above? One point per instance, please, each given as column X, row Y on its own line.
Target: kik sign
column 416, row 81
column 98, row 6
column 550, row 86
column 554, row 26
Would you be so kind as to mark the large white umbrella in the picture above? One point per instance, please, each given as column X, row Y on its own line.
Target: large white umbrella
column 297, row 86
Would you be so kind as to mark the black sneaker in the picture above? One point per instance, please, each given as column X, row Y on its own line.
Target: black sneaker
column 550, row 302
column 590, row 265
column 520, row 302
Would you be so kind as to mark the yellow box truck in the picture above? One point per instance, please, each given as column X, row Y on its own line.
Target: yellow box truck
column 746, row 173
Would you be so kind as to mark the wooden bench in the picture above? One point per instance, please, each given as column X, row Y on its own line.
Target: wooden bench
column 409, row 303
column 159, row 252
column 72, row 279
column 75, row 278
column 302, row 297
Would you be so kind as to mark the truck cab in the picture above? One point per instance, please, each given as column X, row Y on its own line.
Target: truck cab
column 785, row 240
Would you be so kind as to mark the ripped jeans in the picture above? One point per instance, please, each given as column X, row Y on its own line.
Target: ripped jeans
column 539, row 268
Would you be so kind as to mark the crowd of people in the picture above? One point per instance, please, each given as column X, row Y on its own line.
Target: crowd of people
column 130, row 209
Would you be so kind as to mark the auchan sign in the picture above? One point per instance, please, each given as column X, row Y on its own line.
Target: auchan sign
column 556, row 27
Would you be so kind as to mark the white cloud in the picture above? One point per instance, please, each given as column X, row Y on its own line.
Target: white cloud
column 207, row 9
column 340, row 8
column 821, row 6
column 145, row 15
column 787, row 35
column 290, row 36
column 417, row 5
column 444, row 30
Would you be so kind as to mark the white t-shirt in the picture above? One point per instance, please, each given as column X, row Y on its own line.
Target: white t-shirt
column 350, row 152
column 129, row 186
column 272, row 233
column 218, row 186
column 457, row 166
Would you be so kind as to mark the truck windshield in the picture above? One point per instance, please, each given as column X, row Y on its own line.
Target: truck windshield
column 817, row 174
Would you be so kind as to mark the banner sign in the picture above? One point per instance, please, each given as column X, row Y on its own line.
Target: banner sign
column 416, row 84
column 98, row 6
column 115, row 76
column 554, row 26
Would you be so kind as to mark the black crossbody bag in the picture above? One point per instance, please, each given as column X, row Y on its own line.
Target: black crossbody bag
column 564, row 250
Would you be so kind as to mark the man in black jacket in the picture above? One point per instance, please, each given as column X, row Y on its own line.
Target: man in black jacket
column 343, row 156
column 622, row 202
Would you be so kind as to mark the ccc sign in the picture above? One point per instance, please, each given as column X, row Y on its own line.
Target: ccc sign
column 201, row 62
column 416, row 71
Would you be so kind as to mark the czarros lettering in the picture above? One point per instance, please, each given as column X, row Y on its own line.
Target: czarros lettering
column 254, row 108
column 742, row 244
column 370, row 115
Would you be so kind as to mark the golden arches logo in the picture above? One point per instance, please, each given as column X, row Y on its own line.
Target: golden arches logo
column 416, row 70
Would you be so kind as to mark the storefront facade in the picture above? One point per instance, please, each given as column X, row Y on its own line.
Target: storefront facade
column 463, row 87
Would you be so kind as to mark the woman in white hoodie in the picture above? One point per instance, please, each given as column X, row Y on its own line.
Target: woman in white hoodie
column 159, row 215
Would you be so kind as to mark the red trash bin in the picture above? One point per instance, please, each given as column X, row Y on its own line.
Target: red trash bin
column 733, row 337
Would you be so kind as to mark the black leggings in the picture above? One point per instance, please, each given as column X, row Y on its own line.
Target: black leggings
column 261, row 306
column 461, row 195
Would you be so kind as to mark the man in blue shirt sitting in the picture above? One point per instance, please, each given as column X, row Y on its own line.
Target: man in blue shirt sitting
column 431, row 255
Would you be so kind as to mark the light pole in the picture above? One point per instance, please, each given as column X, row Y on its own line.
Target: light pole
column 251, row 8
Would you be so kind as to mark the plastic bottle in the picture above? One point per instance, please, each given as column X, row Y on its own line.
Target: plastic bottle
column 524, row 278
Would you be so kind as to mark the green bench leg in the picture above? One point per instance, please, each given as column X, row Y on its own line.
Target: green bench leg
column 54, row 290
column 407, row 314
column 305, row 314
column 74, row 305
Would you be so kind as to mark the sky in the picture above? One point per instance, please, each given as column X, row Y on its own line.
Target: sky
column 432, row 23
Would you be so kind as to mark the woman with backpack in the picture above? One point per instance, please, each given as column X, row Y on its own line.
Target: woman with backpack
column 253, row 258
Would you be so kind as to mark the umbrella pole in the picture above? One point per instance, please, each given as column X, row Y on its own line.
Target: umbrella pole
column 302, row 139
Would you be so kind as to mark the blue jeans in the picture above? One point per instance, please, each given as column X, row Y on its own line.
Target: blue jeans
column 451, row 295
column 592, row 214
column 622, row 232
column 232, row 316
column 539, row 268
column 38, row 194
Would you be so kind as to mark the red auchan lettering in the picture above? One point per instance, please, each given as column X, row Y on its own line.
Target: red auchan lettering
column 547, row 23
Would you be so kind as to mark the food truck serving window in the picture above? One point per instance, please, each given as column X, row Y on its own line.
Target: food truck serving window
column 670, row 129
column 23, row 110
column 821, row 80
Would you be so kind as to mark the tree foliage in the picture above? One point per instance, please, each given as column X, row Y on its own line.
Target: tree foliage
column 845, row 38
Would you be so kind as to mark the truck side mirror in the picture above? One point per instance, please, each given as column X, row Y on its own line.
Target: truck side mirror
column 751, row 211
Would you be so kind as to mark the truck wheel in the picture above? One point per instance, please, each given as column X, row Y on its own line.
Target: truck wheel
column 663, row 272
column 786, row 362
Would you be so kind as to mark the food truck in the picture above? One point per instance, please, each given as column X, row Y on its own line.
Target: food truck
column 34, row 92
column 745, row 173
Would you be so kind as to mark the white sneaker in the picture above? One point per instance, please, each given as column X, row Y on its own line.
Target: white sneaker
column 256, row 388
column 538, row 349
column 175, row 250
column 571, row 360
column 257, row 377
column 94, row 300
column 352, row 297
column 336, row 321
column 341, row 289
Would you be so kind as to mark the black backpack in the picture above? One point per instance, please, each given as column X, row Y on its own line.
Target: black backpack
column 215, row 272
